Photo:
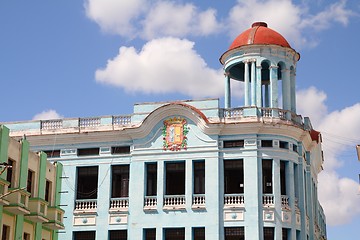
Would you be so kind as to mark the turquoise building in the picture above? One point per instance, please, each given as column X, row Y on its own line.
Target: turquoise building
column 192, row 169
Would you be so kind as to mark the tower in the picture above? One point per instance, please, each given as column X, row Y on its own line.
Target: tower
column 262, row 59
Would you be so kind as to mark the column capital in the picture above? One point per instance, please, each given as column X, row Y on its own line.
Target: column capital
column 273, row 67
column 226, row 74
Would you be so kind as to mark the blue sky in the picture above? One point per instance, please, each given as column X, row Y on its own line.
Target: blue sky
column 81, row 58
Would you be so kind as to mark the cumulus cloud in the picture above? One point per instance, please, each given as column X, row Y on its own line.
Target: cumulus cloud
column 151, row 19
column 165, row 65
column 47, row 114
column 340, row 131
column 298, row 18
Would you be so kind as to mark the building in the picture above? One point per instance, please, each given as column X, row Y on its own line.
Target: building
column 191, row 169
column 29, row 192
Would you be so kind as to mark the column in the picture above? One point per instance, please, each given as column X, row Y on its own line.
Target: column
column 267, row 96
column 290, row 188
column 41, row 191
column 292, row 90
column 258, row 87
column 253, row 83
column 57, row 194
column 273, row 86
column 286, row 89
column 277, row 198
column 227, row 91
column 247, row 82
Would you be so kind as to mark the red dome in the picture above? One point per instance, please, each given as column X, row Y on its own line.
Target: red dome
column 259, row 33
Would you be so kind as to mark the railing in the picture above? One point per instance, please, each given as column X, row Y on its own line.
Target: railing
column 87, row 205
column 51, row 124
column 89, row 122
column 198, row 201
column 150, row 202
column 119, row 204
column 174, row 201
column 55, row 216
column 234, row 200
column 121, row 120
column 233, row 112
column 268, row 200
column 266, row 112
column 285, row 201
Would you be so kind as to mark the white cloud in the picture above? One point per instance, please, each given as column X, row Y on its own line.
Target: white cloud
column 165, row 65
column 47, row 114
column 340, row 131
column 151, row 19
column 297, row 18
column 116, row 16
column 171, row 19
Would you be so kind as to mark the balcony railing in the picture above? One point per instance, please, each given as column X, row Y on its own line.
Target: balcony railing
column 119, row 204
column 55, row 215
column 268, row 200
column 150, row 202
column 3, row 191
column 174, row 202
column 38, row 210
column 51, row 124
column 198, row 201
column 285, row 202
column 85, row 206
column 18, row 199
column 234, row 200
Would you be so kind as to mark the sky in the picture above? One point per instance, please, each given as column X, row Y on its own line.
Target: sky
column 83, row 58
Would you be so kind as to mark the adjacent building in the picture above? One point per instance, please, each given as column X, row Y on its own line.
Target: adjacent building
column 192, row 169
column 29, row 192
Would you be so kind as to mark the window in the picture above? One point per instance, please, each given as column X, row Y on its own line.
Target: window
column 48, row 191
column 118, row 235
column 233, row 176
column 120, row 181
column 284, row 145
column 285, row 233
column 10, row 170
column 88, row 151
column 26, row 236
column 87, row 182
column 120, row 150
column 267, row 176
column 268, row 233
column 150, row 234
column 30, row 180
column 175, row 234
column 199, row 233
column 151, row 179
column 5, row 232
column 234, row 144
column 199, row 177
column 266, row 143
column 282, row 178
column 175, row 178
column 85, row 235
column 234, row 233
column 295, row 148
column 52, row 153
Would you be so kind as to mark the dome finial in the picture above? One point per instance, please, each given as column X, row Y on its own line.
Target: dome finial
column 259, row 24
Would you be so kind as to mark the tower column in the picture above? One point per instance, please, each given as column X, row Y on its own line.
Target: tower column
column 253, row 82
column 258, row 87
column 286, row 89
column 273, row 86
column 292, row 90
column 267, row 97
column 227, row 91
column 247, row 82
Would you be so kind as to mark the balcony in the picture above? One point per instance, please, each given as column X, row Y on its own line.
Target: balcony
column 119, row 204
column 150, row 203
column 285, row 202
column 174, row 202
column 234, row 201
column 38, row 210
column 268, row 200
column 3, row 191
column 198, row 201
column 18, row 199
column 55, row 216
column 85, row 206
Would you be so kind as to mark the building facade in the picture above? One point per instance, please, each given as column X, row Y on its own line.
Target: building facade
column 29, row 192
column 191, row 169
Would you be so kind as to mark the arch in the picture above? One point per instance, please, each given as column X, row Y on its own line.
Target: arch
column 281, row 67
column 236, row 71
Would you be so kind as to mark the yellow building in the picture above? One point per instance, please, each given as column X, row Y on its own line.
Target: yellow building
column 29, row 192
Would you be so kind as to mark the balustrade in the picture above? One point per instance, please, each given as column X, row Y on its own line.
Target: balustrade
column 268, row 200
column 198, row 200
column 233, row 112
column 121, row 120
column 174, row 201
column 119, row 204
column 285, row 201
column 234, row 200
column 150, row 202
column 51, row 124
column 87, row 205
column 89, row 122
